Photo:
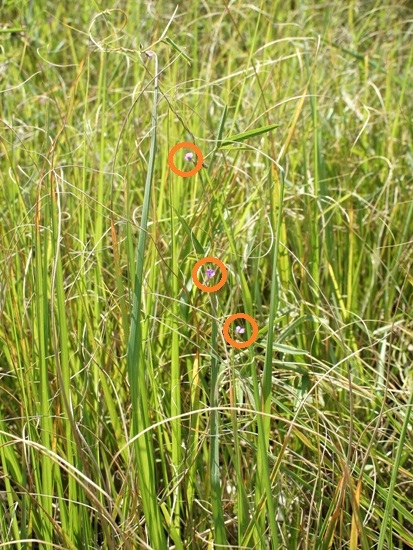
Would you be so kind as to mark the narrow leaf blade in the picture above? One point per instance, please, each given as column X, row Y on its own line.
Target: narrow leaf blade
column 249, row 134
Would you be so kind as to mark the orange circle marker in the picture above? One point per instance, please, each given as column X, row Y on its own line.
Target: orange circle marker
column 234, row 343
column 215, row 261
column 194, row 148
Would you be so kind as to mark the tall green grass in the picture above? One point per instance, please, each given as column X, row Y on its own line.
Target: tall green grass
column 126, row 420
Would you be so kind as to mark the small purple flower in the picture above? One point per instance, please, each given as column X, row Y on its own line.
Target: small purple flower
column 239, row 330
column 150, row 54
column 210, row 273
column 189, row 156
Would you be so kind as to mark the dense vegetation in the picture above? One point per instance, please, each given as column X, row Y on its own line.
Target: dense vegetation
column 126, row 419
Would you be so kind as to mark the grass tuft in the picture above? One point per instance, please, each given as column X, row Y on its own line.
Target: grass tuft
column 126, row 419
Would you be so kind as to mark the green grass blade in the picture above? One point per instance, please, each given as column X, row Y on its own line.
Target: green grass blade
column 246, row 135
column 136, row 366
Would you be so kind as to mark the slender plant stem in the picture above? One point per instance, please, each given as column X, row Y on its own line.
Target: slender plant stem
column 145, row 467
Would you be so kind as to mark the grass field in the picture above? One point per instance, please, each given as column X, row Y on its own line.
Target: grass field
column 126, row 419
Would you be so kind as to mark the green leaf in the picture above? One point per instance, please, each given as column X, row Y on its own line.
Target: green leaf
column 175, row 47
column 221, row 124
column 198, row 246
column 284, row 348
column 245, row 135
